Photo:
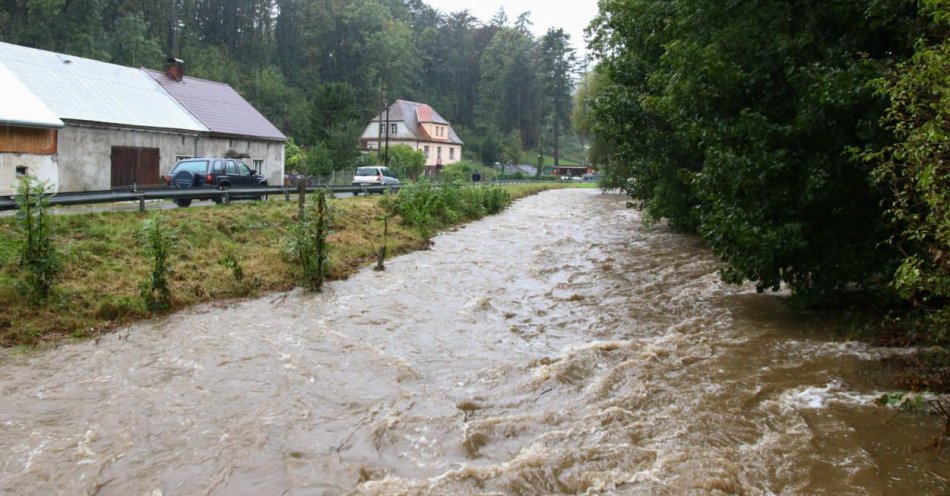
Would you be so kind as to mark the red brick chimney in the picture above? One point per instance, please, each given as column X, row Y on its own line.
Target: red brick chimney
column 175, row 69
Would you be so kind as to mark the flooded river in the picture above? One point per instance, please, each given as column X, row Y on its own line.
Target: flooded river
column 558, row 348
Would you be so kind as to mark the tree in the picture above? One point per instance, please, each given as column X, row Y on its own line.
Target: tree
column 406, row 162
column 131, row 43
column 509, row 89
column 916, row 169
column 318, row 161
column 597, row 150
column 558, row 63
column 734, row 119
column 293, row 156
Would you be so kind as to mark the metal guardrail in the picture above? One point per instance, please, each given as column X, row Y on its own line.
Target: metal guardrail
column 222, row 195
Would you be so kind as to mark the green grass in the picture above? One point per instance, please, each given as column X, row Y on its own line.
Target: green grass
column 105, row 264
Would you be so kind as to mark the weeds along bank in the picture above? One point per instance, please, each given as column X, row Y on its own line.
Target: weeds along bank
column 107, row 261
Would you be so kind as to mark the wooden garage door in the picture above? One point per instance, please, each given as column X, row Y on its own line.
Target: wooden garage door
column 133, row 165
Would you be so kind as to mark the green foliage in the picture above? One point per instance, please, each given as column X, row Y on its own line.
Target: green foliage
column 734, row 120
column 334, row 105
column 132, row 43
column 428, row 208
column 231, row 262
column 406, row 162
column 317, row 161
column 916, row 169
column 293, row 156
column 157, row 241
column 267, row 90
column 460, row 172
column 38, row 259
column 308, row 249
column 918, row 404
column 509, row 85
column 558, row 64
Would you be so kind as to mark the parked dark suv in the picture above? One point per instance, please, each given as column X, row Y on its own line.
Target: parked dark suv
column 213, row 172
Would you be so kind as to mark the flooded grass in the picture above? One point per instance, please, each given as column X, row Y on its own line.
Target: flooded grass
column 105, row 263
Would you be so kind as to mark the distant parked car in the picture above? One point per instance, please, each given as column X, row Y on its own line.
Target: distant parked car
column 374, row 175
column 213, row 173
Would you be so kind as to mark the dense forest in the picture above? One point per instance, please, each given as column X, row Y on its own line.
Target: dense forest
column 807, row 142
column 320, row 69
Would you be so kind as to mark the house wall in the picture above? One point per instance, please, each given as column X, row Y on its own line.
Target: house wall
column 432, row 158
column 30, row 149
column 43, row 167
column 85, row 153
column 271, row 152
column 438, row 132
column 85, row 158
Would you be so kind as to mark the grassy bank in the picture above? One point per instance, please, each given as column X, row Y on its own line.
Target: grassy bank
column 221, row 252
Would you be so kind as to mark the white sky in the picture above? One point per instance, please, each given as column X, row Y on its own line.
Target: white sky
column 572, row 15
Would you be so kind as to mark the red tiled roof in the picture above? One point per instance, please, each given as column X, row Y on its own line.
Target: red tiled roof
column 219, row 107
column 424, row 113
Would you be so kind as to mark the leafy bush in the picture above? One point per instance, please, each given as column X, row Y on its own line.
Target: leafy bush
column 307, row 248
column 427, row 208
column 406, row 162
column 461, row 171
column 915, row 169
column 38, row 258
column 158, row 241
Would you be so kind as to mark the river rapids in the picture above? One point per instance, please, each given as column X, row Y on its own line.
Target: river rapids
column 561, row 347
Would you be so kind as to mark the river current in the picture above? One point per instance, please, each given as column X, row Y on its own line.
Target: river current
column 561, row 347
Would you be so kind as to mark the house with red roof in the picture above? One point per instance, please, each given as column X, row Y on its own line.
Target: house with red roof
column 417, row 125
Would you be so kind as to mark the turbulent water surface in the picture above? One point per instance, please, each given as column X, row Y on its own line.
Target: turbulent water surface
column 560, row 347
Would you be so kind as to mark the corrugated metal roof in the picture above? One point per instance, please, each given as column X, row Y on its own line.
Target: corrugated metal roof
column 219, row 107
column 20, row 107
column 81, row 89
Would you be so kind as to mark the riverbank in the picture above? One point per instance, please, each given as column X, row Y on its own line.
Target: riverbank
column 221, row 253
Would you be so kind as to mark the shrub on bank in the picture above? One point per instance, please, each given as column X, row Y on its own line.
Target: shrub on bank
column 427, row 208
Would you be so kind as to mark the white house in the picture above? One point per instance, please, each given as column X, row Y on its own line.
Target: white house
column 417, row 125
column 119, row 126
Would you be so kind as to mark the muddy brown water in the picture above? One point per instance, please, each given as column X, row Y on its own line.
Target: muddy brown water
column 561, row 347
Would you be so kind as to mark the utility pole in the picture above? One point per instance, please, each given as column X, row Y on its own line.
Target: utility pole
column 386, row 154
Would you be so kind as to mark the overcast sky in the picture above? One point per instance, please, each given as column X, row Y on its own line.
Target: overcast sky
column 572, row 15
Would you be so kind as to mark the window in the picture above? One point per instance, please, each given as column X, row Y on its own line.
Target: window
column 427, row 151
column 217, row 166
column 197, row 167
column 231, row 168
column 259, row 167
column 451, row 153
column 392, row 129
column 21, row 171
column 242, row 169
column 381, row 128
column 438, row 153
